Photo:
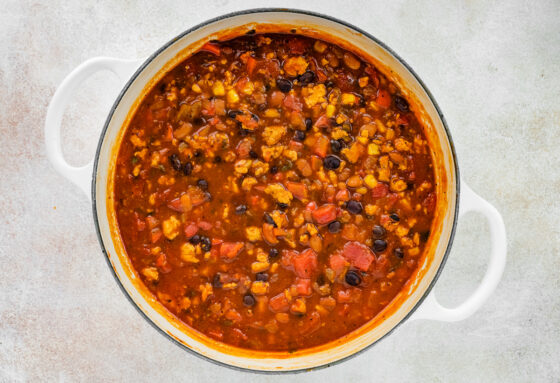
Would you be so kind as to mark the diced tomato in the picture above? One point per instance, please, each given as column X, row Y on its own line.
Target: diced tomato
column 297, row 46
column 324, row 214
column 298, row 189
column 305, row 263
column 140, row 223
column 343, row 296
column 312, row 323
column 311, row 206
column 276, row 98
column 380, row 190
column 338, row 263
column 303, row 286
column 254, row 200
column 391, row 200
column 279, row 303
column 162, row 264
column 321, row 146
column 343, row 310
column 359, row 255
column 231, row 250
column 212, row 48
column 316, row 163
column 204, row 225
column 155, row 235
column 430, row 202
column 295, row 145
column 383, row 98
column 251, row 65
column 293, row 102
column 151, row 221
column 402, row 120
column 342, row 195
column 176, row 205
column 239, row 333
column 168, row 136
column 243, row 148
column 233, row 315
column 190, row 229
column 217, row 241
column 384, row 219
column 322, row 122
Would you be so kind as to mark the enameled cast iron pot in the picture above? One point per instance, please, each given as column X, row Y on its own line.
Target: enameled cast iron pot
column 414, row 302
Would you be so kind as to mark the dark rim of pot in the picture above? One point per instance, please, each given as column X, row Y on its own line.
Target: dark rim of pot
column 269, row 10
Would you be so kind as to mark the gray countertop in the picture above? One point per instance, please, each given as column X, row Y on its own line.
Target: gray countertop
column 492, row 66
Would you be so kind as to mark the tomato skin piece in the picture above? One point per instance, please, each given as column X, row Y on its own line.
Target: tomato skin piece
column 279, row 303
column 380, row 190
column 292, row 102
column 230, row 250
column 211, row 48
column 324, row 214
column 298, row 189
column 383, row 98
column 303, row 264
column 337, row 263
column 359, row 255
column 303, row 286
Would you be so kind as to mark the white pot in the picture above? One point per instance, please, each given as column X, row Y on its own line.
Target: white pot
column 414, row 302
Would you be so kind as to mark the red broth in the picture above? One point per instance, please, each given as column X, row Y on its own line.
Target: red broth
column 274, row 192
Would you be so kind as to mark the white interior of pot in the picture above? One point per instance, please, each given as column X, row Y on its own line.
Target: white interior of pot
column 151, row 307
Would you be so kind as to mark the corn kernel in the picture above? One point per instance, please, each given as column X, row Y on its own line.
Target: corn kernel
column 330, row 110
column 232, row 97
column 218, row 89
column 373, row 149
column 195, row 88
column 348, row 99
column 361, row 190
column 370, row 181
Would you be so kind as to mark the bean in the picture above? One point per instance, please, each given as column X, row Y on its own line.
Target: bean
column 203, row 184
column 205, row 243
column 273, row 253
column 187, row 168
column 331, row 162
column 248, row 300
column 268, row 219
column 273, row 169
column 307, row 77
column 399, row 253
column 253, row 154
column 394, row 217
column 379, row 231
column 175, row 162
column 354, row 207
column 379, row 245
column 299, row 136
column 401, row 104
column 261, row 277
column 241, row 209
column 336, row 146
column 216, row 282
column 308, row 123
column 334, row 226
column 284, row 85
column 195, row 239
column 353, row 278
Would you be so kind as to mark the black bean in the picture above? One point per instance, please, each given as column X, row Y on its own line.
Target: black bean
column 399, row 253
column 268, row 219
column 307, row 77
column 203, row 184
column 232, row 113
column 394, row 217
column 354, row 207
column 273, row 169
column 308, row 123
column 331, row 162
column 244, row 132
column 379, row 245
column 284, row 85
column 353, row 278
column 329, row 84
column 198, row 153
column 282, row 206
column 379, row 231
column 251, row 32
column 273, row 253
column 253, row 154
column 425, row 235
column 208, row 196
column 248, row 300
column 263, row 277
column 401, row 104
column 187, row 168
column 299, row 136
column 336, row 146
column 199, row 121
column 241, row 209
column 217, row 159
column 335, row 226
column 216, row 282
column 195, row 239
column 175, row 162
column 205, row 243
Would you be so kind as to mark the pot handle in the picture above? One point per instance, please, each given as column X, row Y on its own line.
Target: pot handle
column 430, row 308
column 79, row 175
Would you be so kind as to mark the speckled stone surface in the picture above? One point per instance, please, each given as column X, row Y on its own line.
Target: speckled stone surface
column 492, row 66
